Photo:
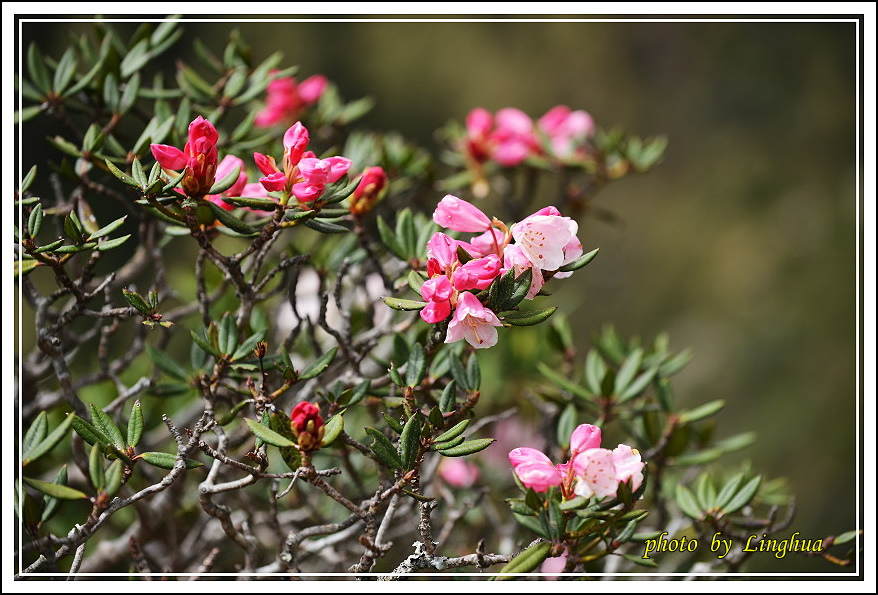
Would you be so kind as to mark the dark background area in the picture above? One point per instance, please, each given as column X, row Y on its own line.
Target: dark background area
column 741, row 244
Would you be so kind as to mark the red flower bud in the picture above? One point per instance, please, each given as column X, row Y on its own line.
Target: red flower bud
column 368, row 190
column 307, row 426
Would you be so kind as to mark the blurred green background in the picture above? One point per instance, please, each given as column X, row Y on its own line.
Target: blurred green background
column 741, row 244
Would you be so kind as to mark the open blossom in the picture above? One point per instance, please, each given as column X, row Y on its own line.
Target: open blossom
column 199, row 157
column 473, row 322
column 286, row 99
column 544, row 239
column 591, row 471
column 303, row 174
column 476, row 274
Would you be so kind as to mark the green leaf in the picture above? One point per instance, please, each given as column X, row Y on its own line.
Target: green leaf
column 121, row 175
column 88, row 432
column 575, row 503
column 736, row 442
column 246, row 348
column 528, row 318
column 230, row 221
column 333, row 429
column 702, row 411
column 409, row 441
column 28, row 113
column 262, row 204
column 402, row 304
column 48, row 442
column 526, row 561
column 224, row 184
column 105, row 424
column 579, row 262
column 319, row 365
column 455, row 431
column 640, row 560
column 687, row 503
column 113, row 478
column 448, row 398
column 627, row 371
column 564, row 383
column 135, row 424
column 166, row 460
column 638, row 384
column 744, row 496
column 73, row 228
column 390, row 241
column 96, row 467
column 846, row 537
column 384, row 449
column 110, row 244
column 35, row 221
column 28, row 180
column 51, row 504
column 519, row 290
column 728, row 491
column 107, row 229
column 705, row 492
column 405, row 232
column 137, row 302
column 566, row 425
column 417, row 365
column 416, row 279
column 267, row 435
column 55, row 490
column 167, row 364
column 35, row 434
column 467, row 448
column 473, row 373
column 37, row 69
column 325, row 226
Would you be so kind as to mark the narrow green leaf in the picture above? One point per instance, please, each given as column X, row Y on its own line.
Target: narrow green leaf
column 744, row 495
column 166, row 460
column 28, row 180
column 55, row 490
column 129, row 94
column 728, row 491
column 459, row 373
column 467, row 448
column 392, row 423
column 448, row 398
column 390, row 241
column 106, row 425
column 35, row 221
column 384, row 449
column 405, row 232
column 35, row 434
column 403, row 304
column 846, row 537
column 702, row 411
column 319, row 365
column 37, row 69
column 579, row 262
column 736, row 442
column 224, row 184
column 564, row 383
column 110, row 244
column 246, row 348
column 627, row 371
column 26, row 114
column 230, row 221
column 268, row 435
column 121, row 174
column 135, row 424
column 416, row 280
column 51, row 504
column 705, row 492
column 113, row 478
column 519, row 289
column 687, row 503
column 333, row 429
column 409, row 441
column 529, row 317
column 640, row 560
column 137, row 302
column 526, row 561
column 262, row 204
column 228, row 334
column 88, row 432
column 455, row 431
column 325, row 226
column 638, row 385
column 73, row 228
column 108, row 229
column 575, row 503
column 96, row 467
column 473, row 373
column 48, row 442
column 566, row 425
column 417, row 365
column 167, row 364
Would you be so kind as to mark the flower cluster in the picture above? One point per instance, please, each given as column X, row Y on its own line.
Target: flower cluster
column 303, row 174
column 287, row 99
column 542, row 242
column 510, row 136
column 592, row 471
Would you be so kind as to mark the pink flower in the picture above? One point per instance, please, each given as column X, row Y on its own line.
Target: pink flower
column 514, row 137
column 286, row 99
column 543, row 238
column 515, row 258
column 474, row 322
column 458, row 472
column 459, row 215
column 479, row 123
column 307, row 425
column 554, row 565
column 490, row 242
column 567, row 130
column 534, row 469
column 437, row 292
column 476, row 274
column 436, row 311
column 599, row 471
column 199, row 157
column 442, row 249
column 303, row 174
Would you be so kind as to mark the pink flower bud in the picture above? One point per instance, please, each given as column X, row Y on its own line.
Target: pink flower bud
column 437, row 289
column 312, row 88
column 275, row 182
column 265, row 164
column 442, row 249
column 534, row 469
column 307, row 426
column 435, row 312
column 459, row 215
column 477, row 274
column 169, row 157
column 296, row 139
column 369, row 190
column 584, row 437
